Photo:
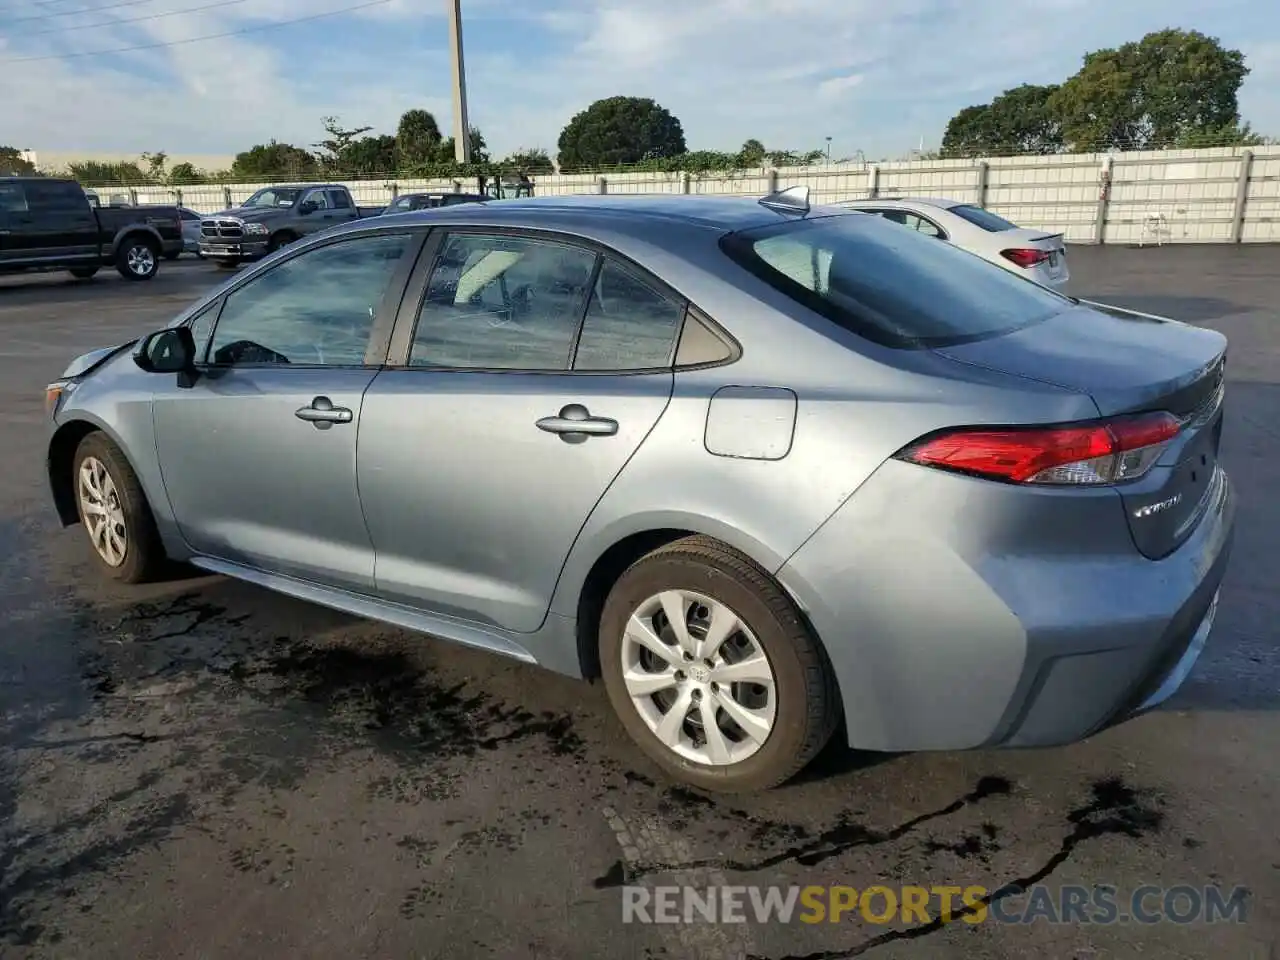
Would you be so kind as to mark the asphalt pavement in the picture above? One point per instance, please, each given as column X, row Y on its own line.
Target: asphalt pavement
column 200, row 769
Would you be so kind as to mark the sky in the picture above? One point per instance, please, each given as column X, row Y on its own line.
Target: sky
column 872, row 75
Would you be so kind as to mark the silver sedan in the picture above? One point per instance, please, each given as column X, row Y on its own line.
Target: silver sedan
column 770, row 471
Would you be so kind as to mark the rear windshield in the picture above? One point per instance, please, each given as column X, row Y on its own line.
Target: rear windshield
column 896, row 287
column 983, row 218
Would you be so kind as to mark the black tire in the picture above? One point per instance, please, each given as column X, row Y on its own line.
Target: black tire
column 83, row 273
column 808, row 703
column 138, row 258
column 281, row 239
column 173, row 255
column 144, row 555
column 226, row 264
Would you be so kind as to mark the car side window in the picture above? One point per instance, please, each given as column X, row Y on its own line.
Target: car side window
column 201, row 326
column 629, row 325
column 402, row 203
column 919, row 223
column 316, row 309
column 13, row 199
column 339, row 200
column 318, row 198
column 502, row 303
column 57, row 197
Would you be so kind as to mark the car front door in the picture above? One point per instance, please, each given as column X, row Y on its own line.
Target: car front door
column 259, row 455
column 321, row 211
column 482, row 449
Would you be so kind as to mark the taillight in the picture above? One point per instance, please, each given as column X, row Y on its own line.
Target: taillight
column 1105, row 451
column 1025, row 257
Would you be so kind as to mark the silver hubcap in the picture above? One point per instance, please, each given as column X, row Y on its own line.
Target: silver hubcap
column 699, row 678
column 102, row 512
column 141, row 260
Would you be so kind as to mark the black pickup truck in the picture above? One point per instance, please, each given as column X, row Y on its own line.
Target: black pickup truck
column 49, row 224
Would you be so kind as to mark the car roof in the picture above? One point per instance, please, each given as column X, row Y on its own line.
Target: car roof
column 627, row 214
column 301, row 186
column 942, row 203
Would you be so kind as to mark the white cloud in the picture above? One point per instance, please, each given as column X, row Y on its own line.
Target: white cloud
column 869, row 74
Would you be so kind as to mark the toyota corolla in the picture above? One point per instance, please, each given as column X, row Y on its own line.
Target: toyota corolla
column 772, row 472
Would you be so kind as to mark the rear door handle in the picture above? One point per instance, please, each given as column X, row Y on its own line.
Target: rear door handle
column 575, row 423
column 323, row 413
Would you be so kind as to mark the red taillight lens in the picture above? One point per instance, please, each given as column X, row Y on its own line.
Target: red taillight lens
column 1083, row 453
column 1025, row 256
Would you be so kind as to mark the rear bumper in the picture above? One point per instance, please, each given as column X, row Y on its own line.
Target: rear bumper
column 958, row 614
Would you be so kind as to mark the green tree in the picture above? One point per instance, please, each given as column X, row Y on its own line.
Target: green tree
column 370, row 155
column 275, row 161
column 445, row 153
column 970, row 133
column 752, row 154
column 335, row 146
column 1233, row 135
column 417, row 139
column 1170, row 85
column 620, row 130
column 528, row 161
column 14, row 164
column 183, row 173
column 154, row 164
column 95, row 171
column 1019, row 121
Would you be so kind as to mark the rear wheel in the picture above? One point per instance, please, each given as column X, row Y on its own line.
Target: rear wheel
column 226, row 264
column 114, row 512
column 173, row 255
column 137, row 258
column 83, row 273
column 712, row 670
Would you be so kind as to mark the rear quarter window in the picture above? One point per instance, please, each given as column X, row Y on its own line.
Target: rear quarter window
column 896, row 287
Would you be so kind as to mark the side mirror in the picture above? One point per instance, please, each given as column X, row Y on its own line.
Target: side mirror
column 310, row 206
column 172, row 350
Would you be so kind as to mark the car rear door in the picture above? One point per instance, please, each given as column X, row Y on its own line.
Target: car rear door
column 259, row 455
column 342, row 206
column 68, row 225
column 525, row 370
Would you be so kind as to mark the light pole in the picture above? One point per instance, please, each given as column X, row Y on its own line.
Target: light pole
column 461, row 128
column 828, row 149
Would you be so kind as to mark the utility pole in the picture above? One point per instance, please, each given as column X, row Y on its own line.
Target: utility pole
column 461, row 128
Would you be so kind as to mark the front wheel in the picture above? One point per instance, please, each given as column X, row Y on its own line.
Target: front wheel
column 712, row 670
column 114, row 512
column 281, row 239
column 226, row 264
column 137, row 259
column 173, row 255
column 83, row 273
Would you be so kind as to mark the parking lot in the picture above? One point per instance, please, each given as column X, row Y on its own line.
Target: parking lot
column 201, row 769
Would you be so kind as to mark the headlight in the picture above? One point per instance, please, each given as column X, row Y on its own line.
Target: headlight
column 255, row 229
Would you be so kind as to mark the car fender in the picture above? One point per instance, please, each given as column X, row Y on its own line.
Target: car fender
column 129, row 427
column 594, row 544
column 133, row 228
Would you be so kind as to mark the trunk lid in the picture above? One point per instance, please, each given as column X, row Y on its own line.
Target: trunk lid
column 1130, row 363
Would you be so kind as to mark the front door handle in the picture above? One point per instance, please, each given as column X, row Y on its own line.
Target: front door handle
column 323, row 413
column 575, row 423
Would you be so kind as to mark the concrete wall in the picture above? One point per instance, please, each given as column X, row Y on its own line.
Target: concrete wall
column 1223, row 194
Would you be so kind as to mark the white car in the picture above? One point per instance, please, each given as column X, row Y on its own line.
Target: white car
column 1034, row 254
